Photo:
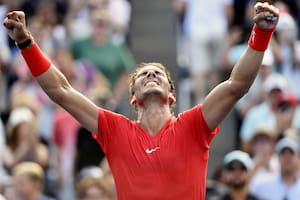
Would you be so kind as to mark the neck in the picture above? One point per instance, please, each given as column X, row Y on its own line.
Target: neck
column 32, row 196
column 153, row 116
column 289, row 178
column 238, row 194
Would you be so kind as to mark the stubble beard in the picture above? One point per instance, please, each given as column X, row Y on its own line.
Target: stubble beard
column 238, row 185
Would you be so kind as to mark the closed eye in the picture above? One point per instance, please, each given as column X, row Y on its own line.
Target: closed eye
column 142, row 74
column 157, row 72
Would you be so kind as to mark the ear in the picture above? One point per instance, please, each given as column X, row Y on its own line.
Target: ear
column 172, row 98
column 132, row 100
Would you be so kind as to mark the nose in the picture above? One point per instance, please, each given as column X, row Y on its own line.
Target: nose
column 151, row 73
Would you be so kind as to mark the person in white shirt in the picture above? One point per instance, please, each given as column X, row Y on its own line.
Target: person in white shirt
column 286, row 184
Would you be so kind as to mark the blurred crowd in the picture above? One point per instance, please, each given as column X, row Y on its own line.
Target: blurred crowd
column 46, row 154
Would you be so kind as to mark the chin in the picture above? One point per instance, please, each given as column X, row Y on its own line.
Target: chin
column 155, row 94
column 154, row 91
column 238, row 185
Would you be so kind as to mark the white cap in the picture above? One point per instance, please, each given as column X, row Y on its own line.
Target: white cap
column 275, row 81
column 287, row 143
column 90, row 171
column 20, row 115
column 239, row 156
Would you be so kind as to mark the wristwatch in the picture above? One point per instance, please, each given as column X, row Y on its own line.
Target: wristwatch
column 26, row 43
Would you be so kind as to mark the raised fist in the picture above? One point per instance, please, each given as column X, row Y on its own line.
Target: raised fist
column 16, row 26
column 266, row 15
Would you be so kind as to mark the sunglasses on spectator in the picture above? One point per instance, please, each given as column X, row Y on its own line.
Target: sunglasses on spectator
column 235, row 168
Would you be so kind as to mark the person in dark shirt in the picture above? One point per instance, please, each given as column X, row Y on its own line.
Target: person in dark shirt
column 237, row 166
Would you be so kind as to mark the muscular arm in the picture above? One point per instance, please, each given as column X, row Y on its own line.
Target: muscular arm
column 222, row 99
column 54, row 83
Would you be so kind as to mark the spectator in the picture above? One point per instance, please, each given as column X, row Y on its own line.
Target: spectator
column 23, row 141
column 285, row 184
column 29, row 180
column 238, row 166
column 286, row 110
column 78, row 21
column 265, row 163
column 113, row 61
column 91, row 184
column 206, row 33
column 266, row 113
column 92, row 188
column 120, row 16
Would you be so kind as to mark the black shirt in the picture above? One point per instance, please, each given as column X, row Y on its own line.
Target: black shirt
column 249, row 197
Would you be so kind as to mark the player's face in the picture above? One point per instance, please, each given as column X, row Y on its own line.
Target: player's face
column 151, row 80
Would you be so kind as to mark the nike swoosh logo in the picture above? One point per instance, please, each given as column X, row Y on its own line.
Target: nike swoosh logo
column 148, row 151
